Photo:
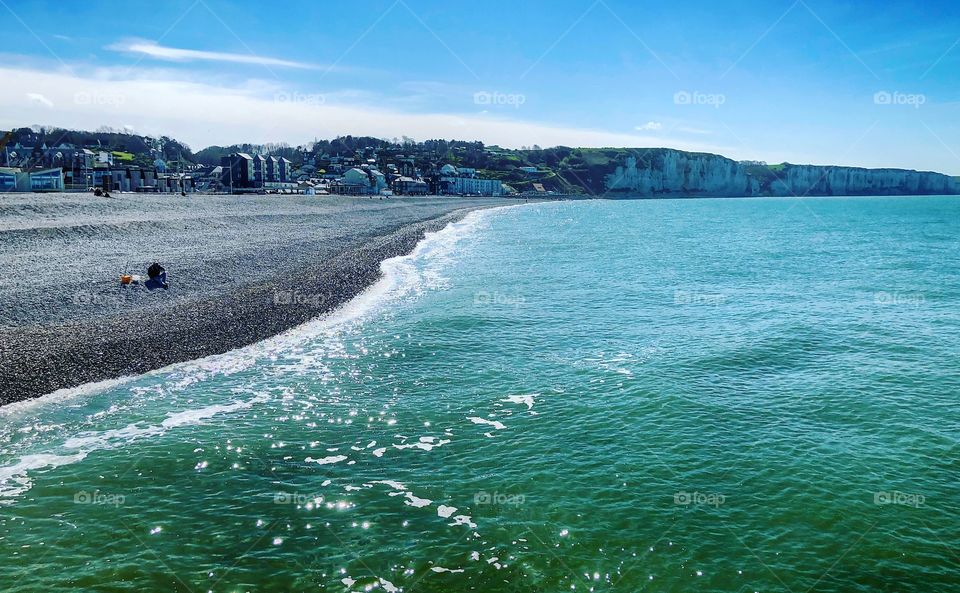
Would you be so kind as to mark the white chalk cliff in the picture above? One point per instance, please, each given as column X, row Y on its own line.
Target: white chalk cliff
column 666, row 171
column 848, row 181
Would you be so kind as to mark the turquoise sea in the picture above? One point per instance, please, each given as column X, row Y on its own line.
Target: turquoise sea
column 671, row 395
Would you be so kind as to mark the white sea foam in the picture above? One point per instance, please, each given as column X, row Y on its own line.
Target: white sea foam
column 464, row 520
column 400, row 490
column 392, row 483
column 93, row 441
column 494, row 423
column 12, row 411
column 425, row 446
column 415, row 501
column 522, row 399
column 15, row 478
column 445, row 511
column 388, row 586
column 327, row 460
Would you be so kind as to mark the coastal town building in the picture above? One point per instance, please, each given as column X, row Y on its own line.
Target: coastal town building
column 464, row 182
column 273, row 170
column 259, row 170
column 241, row 172
column 357, row 177
column 16, row 179
column 378, row 181
column 132, row 178
column 406, row 167
column 65, row 168
column 74, row 162
column 469, row 186
column 362, row 180
column 65, row 156
column 238, row 171
column 344, row 187
column 408, row 186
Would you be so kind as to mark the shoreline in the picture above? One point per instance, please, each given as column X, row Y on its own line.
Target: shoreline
column 38, row 360
column 341, row 314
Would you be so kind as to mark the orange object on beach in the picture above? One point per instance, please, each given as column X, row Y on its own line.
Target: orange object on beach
column 126, row 279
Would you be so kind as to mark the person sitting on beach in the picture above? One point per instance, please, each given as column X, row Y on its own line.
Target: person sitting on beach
column 157, row 277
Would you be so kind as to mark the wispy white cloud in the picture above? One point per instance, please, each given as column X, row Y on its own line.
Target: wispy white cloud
column 689, row 130
column 38, row 99
column 174, row 54
column 650, row 126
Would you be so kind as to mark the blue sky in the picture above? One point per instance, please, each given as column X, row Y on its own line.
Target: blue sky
column 807, row 81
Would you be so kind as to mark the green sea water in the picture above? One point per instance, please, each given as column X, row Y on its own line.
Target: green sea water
column 675, row 395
